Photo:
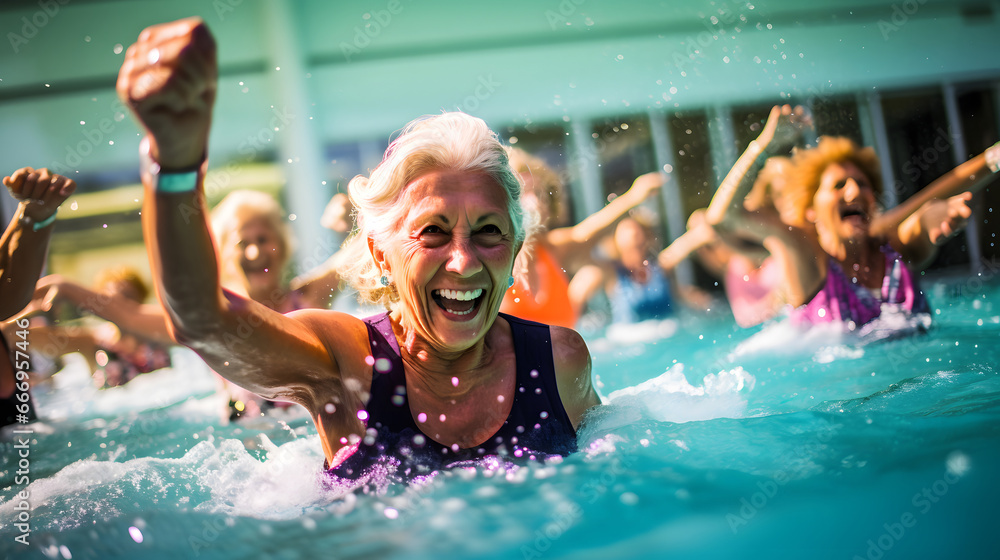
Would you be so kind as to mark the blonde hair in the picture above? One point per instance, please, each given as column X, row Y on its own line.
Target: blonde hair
column 126, row 275
column 809, row 165
column 235, row 210
column 450, row 141
column 545, row 184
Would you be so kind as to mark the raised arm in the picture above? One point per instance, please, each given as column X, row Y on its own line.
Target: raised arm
column 318, row 286
column 783, row 128
column 169, row 81
column 794, row 250
column 698, row 235
column 26, row 239
column 969, row 176
column 569, row 242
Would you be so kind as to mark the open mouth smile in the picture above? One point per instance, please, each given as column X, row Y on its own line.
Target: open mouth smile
column 853, row 212
column 458, row 302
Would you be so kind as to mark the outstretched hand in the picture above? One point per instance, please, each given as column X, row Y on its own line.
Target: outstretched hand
column 646, row 186
column 47, row 291
column 169, row 80
column 945, row 218
column 40, row 191
column 784, row 127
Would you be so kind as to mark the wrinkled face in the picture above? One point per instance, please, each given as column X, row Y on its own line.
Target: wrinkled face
column 261, row 254
column 452, row 256
column 844, row 203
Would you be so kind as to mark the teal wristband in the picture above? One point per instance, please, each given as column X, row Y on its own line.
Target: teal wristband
column 44, row 223
column 35, row 226
column 171, row 182
column 183, row 182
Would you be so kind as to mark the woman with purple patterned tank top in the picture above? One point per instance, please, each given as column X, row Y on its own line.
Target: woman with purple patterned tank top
column 865, row 264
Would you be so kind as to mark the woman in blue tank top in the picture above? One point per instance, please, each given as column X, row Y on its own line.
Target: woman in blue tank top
column 441, row 376
column 638, row 289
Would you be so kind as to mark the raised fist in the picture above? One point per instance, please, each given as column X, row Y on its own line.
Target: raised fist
column 39, row 191
column 169, row 79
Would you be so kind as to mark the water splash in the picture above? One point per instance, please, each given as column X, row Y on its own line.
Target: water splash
column 668, row 398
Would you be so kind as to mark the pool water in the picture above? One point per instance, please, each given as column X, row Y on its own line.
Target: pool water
column 717, row 442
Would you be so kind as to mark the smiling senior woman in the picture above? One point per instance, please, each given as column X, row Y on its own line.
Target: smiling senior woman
column 441, row 377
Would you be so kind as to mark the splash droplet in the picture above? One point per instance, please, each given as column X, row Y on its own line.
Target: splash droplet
column 135, row 533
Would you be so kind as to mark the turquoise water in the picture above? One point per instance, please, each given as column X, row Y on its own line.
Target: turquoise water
column 717, row 443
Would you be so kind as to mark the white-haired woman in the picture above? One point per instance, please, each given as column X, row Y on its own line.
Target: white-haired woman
column 441, row 376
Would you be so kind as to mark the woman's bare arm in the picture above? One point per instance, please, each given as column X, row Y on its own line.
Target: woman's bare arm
column 783, row 128
column 169, row 80
column 573, row 373
column 23, row 244
column 697, row 236
column 318, row 286
column 571, row 243
column 801, row 260
column 919, row 236
column 147, row 321
column 969, row 176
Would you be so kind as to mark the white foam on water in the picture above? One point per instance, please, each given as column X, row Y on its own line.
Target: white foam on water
column 643, row 332
column 894, row 322
column 784, row 338
column 73, row 393
column 829, row 354
column 670, row 398
column 836, row 339
column 284, row 486
column 218, row 476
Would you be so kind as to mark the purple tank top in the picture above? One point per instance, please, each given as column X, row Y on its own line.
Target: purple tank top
column 537, row 426
column 840, row 299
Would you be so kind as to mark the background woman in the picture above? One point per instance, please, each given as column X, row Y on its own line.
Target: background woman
column 545, row 287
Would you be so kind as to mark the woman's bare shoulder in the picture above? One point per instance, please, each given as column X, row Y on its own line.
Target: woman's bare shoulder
column 345, row 336
column 573, row 373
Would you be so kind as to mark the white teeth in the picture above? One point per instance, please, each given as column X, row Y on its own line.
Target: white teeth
column 460, row 296
column 452, row 311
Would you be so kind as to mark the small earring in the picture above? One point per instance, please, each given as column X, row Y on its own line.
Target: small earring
column 386, row 279
column 510, row 281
